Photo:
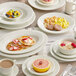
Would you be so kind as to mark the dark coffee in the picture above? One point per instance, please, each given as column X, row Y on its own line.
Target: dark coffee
column 6, row 64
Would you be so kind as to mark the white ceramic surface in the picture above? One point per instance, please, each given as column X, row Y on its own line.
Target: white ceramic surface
column 56, row 51
column 61, row 59
column 14, row 72
column 68, row 18
column 54, row 2
column 38, row 36
column 26, row 72
column 65, row 51
column 29, row 65
column 27, row 14
column 14, row 27
column 34, row 4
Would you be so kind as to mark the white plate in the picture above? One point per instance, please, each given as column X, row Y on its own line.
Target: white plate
column 27, row 14
column 49, row 4
column 55, row 49
column 58, row 57
column 14, row 72
column 34, row 4
column 29, row 65
column 68, row 18
column 27, row 73
column 14, row 27
column 27, row 54
column 38, row 36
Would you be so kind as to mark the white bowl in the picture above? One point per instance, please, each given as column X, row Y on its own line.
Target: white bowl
column 29, row 65
column 64, row 51
column 21, row 14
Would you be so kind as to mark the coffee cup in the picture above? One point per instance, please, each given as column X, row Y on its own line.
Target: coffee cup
column 6, row 66
column 70, row 6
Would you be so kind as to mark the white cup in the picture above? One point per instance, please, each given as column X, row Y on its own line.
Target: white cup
column 70, row 7
column 7, row 71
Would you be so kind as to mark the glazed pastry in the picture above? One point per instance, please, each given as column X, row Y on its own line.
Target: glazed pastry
column 41, row 65
column 26, row 40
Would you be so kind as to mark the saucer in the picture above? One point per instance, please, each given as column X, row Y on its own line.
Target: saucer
column 14, row 72
column 27, row 73
column 36, row 5
column 61, row 59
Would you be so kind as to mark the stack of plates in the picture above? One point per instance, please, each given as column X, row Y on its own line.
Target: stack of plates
column 40, row 38
column 28, row 69
column 27, row 18
column 59, row 56
column 42, row 6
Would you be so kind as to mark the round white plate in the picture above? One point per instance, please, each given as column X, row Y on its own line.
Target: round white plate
column 37, row 35
column 14, row 27
column 49, row 4
column 68, row 18
column 36, row 5
column 58, row 57
column 14, row 72
column 29, row 65
column 27, row 54
column 55, row 49
column 27, row 14
column 26, row 72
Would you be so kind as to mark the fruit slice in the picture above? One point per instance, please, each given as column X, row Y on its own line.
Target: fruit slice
column 47, row 1
column 41, row 65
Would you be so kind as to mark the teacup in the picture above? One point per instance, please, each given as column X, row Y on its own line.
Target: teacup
column 70, row 7
column 6, row 66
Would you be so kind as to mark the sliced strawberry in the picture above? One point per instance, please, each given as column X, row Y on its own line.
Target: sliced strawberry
column 62, row 44
column 11, row 48
column 15, row 41
column 74, row 45
column 24, row 39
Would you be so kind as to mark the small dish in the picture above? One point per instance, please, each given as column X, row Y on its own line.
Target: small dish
column 30, row 68
column 20, row 11
column 48, row 4
column 67, row 47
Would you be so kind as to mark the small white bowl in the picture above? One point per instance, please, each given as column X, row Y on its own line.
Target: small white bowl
column 64, row 51
column 21, row 14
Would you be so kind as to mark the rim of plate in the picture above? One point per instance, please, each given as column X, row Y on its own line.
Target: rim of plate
column 40, row 23
column 38, row 44
column 12, row 6
column 52, row 74
column 29, row 65
column 26, row 54
column 20, row 26
column 60, row 58
column 35, row 5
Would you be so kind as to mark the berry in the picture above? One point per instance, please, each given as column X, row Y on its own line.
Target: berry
column 62, row 44
column 74, row 45
column 7, row 15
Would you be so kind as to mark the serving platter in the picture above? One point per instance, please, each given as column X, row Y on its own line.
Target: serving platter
column 27, row 14
column 38, row 36
column 68, row 18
